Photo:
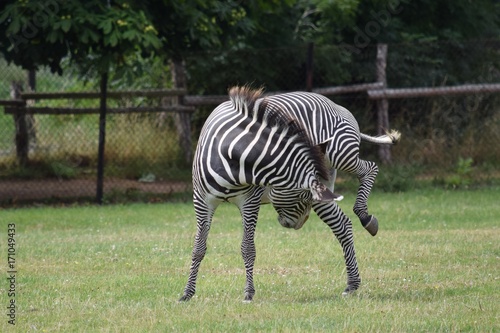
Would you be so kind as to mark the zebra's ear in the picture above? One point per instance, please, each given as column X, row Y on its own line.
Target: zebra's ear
column 321, row 193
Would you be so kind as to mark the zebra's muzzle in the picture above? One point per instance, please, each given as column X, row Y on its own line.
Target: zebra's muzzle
column 292, row 224
column 300, row 225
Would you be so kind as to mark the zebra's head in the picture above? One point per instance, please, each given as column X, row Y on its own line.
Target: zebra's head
column 294, row 205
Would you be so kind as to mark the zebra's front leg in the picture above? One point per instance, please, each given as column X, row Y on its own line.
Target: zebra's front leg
column 249, row 212
column 366, row 173
column 340, row 224
column 204, row 216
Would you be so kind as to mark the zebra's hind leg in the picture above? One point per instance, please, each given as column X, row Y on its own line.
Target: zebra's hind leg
column 204, row 218
column 366, row 173
column 340, row 224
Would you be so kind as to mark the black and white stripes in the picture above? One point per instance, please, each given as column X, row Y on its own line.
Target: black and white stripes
column 241, row 145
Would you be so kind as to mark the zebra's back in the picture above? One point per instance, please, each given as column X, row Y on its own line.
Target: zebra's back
column 243, row 144
column 319, row 116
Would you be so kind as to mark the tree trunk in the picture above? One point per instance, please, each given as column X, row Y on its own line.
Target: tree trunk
column 383, row 104
column 182, row 119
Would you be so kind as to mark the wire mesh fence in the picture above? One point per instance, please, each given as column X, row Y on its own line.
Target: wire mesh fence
column 143, row 156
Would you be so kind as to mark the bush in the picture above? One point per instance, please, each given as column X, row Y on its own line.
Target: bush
column 461, row 177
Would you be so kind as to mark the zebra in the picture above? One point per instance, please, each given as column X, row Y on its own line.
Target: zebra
column 243, row 150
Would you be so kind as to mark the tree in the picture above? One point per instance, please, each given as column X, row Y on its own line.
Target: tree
column 413, row 23
column 93, row 33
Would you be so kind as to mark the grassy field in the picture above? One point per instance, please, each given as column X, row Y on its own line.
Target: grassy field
column 433, row 267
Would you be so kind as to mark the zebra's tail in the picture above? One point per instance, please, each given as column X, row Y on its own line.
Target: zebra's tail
column 390, row 138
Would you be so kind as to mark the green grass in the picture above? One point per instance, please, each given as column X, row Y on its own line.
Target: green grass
column 433, row 267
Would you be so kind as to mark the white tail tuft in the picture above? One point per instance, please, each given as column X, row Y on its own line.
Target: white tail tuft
column 390, row 138
column 394, row 135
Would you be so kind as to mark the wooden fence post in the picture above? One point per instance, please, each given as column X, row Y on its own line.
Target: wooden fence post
column 21, row 136
column 383, row 103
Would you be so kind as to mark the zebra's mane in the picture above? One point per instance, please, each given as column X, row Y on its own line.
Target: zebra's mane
column 249, row 100
column 244, row 98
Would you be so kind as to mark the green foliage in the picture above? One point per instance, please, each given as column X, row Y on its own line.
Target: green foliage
column 464, row 167
column 435, row 63
column 420, row 53
column 460, row 177
column 392, row 21
column 94, row 34
column 124, row 34
column 263, row 43
column 194, row 25
column 140, row 73
column 281, row 77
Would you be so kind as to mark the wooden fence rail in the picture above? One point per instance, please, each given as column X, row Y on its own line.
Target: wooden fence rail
column 338, row 90
column 434, row 91
column 110, row 94
column 204, row 100
column 193, row 100
column 66, row 111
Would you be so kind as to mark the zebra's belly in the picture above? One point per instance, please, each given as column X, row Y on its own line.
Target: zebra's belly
column 235, row 196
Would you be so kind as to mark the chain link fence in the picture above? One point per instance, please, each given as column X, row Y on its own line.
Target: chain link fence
column 143, row 157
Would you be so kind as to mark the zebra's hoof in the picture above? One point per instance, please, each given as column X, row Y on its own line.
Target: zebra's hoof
column 348, row 291
column 352, row 285
column 371, row 224
column 248, row 298
column 185, row 298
